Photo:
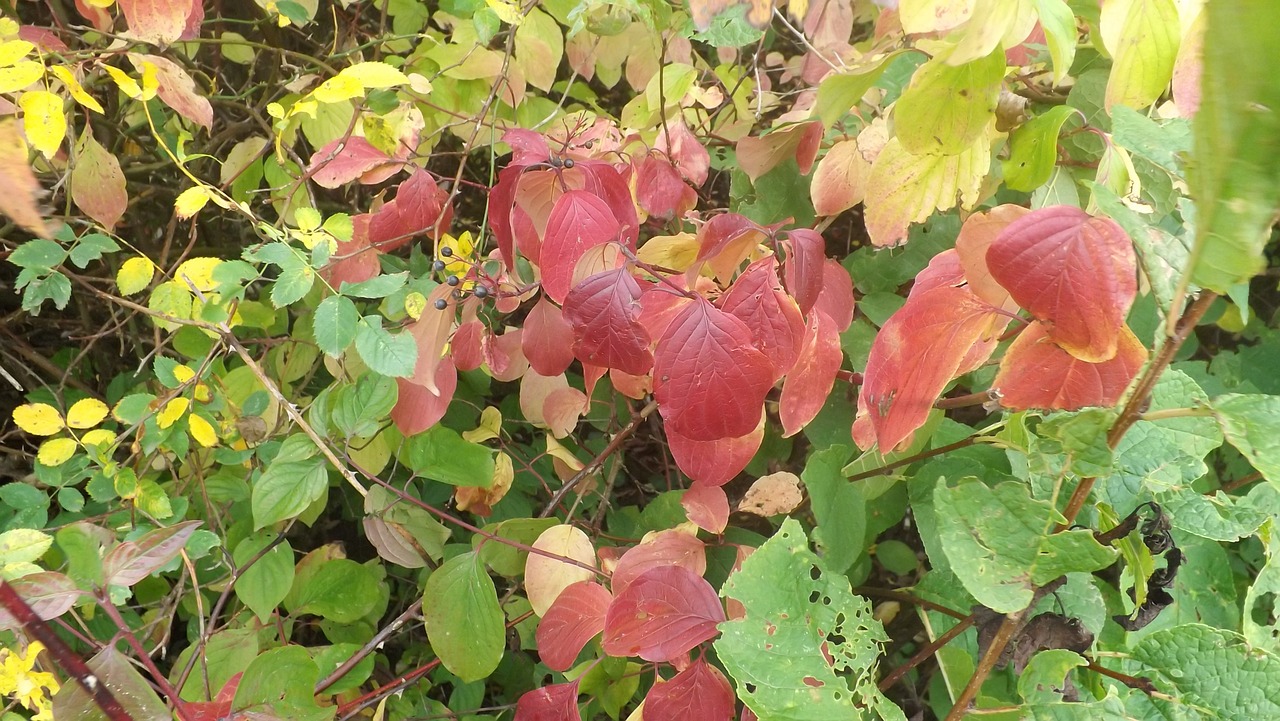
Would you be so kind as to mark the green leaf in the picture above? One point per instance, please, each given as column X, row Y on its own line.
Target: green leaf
column 1164, row 143
column 948, row 107
column 1163, row 255
column 799, row 613
column 730, row 29
column 114, row 671
column 838, row 93
column 263, row 585
column 1260, row 623
column 38, row 254
column 340, row 590
column 1213, row 669
column 1060, row 32
column 336, row 319
column 329, row 659
column 91, row 247
column 411, row 532
column 286, row 489
column 391, row 355
column 360, row 409
column 379, row 286
column 227, row 653
column 1046, row 672
column 463, row 618
column 54, row 287
column 282, row 680
column 296, row 278
column 506, row 559
column 440, row 454
column 839, row 508
column 1236, row 181
column 1034, row 150
column 1001, row 544
column 1081, row 437
column 1252, row 424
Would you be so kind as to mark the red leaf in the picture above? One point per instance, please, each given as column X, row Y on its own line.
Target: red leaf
column 100, row 18
column 503, row 355
column 699, row 692
column 660, row 190
column 220, row 707
column 578, row 222
column 710, row 382
column 97, row 184
column 502, row 198
column 725, row 241
column 811, row 379
column 604, row 313
column 944, row 269
column 1074, row 272
column 759, row 155
column 682, row 146
column 917, row 352
column 757, row 299
column 659, row 305
column 547, row 340
column 527, row 147
column 707, row 506
column 664, row 548
column 466, row 346
column 558, row 702
column 177, row 89
column 977, row 234
column 342, row 161
column 420, row 207
column 1036, row 373
column 157, row 21
column 44, row 38
column 805, row 266
column 575, row 617
column 418, row 407
column 836, row 298
column 431, row 332
column 354, row 261
column 664, row 613
column 714, row 462
column 631, row 386
column 613, row 186
column 132, row 561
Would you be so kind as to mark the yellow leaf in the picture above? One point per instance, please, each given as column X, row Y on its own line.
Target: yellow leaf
column 172, row 411
column 38, row 419
column 414, row 304
column 676, row 252
column 460, row 253
column 150, row 81
column 43, row 120
column 202, row 431
column 75, row 88
column 335, row 90
column 172, row 299
column 98, row 437
column 20, row 76
column 490, row 426
column 101, row 3
column 86, row 413
column 56, row 451
column 135, row 275
column 9, row 28
column 375, row 75
column 202, row 393
column 11, row 51
column 183, row 373
column 127, row 85
column 507, row 12
column 190, row 201
column 199, row 273
column 562, row 454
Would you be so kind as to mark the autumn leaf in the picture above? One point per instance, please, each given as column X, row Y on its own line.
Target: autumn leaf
column 670, row 547
column 43, row 120
column 557, row 702
column 548, row 339
column 977, row 234
column 906, row 188
column 840, row 182
column 576, row 617
column 836, row 297
column 714, row 462
column 421, row 207
column 1073, row 272
column 724, row 242
column 758, row 300
column 758, row 155
column 803, row 266
column 772, row 495
column 97, row 183
column 354, row 158
column 707, row 506
column 917, row 352
column 603, row 312
column 545, row 577
column 810, row 380
column 708, row 378
column 157, row 21
column 1036, row 373
column 176, row 89
column 419, row 407
column 700, row 691
column 578, row 222
column 664, row 613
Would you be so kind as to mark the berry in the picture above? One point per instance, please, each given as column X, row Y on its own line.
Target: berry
column 568, row 162
column 452, row 280
column 437, row 266
column 446, row 251
column 441, row 304
column 481, row 291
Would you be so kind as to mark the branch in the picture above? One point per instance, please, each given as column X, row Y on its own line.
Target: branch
column 614, row 444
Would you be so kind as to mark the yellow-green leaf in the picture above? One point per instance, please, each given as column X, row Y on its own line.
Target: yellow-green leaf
column 43, row 120
column 135, row 275
column 172, row 411
column 507, row 12
column 947, row 106
column 190, row 201
column 929, row 16
column 98, row 437
column 198, row 273
column 172, row 299
column 414, row 304
column 56, row 451
column 11, row 51
column 375, row 75
column 1143, row 37
column 202, row 431
column 86, row 413
column 337, row 89
column 38, row 419
column 906, row 188
column 75, row 88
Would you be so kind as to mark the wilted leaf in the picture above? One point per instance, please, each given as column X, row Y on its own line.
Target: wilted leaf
column 772, row 495
column 19, row 189
column 132, row 561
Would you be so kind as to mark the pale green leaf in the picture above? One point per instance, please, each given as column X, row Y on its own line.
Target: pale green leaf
column 390, row 354
column 1252, row 424
column 1143, row 37
column 263, row 585
column 1034, row 149
column 948, row 107
column 286, row 489
column 463, row 619
column 1213, row 669
column 336, row 319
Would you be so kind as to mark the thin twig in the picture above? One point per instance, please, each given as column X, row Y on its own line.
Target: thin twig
column 599, row 460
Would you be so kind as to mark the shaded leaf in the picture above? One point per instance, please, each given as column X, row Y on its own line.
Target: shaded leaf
column 548, row 339
column 132, row 561
column 97, row 183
